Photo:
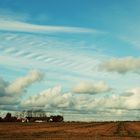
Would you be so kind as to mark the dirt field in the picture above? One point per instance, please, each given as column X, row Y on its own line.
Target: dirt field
column 70, row 131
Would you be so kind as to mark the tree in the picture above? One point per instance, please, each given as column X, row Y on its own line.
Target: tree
column 57, row 118
column 8, row 117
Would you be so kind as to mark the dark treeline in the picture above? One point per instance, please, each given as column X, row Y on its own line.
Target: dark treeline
column 8, row 118
column 31, row 116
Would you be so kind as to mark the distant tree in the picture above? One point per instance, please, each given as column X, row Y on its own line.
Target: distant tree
column 8, row 117
column 29, row 113
column 16, row 114
column 21, row 114
column 57, row 118
column 1, row 119
column 36, row 113
column 40, row 113
column 14, row 119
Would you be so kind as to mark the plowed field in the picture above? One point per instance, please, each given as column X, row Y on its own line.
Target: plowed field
column 70, row 131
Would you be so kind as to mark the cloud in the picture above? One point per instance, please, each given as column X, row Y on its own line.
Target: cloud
column 50, row 98
column 112, row 106
column 9, row 100
column 11, row 21
column 91, row 88
column 133, row 102
column 18, row 26
column 128, row 94
column 10, row 93
column 128, row 100
column 20, row 84
column 54, row 99
column 121, row 65
column 3, row 85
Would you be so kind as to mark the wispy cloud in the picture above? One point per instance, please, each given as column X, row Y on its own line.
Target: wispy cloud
column 59, row 57
column 18, row 26
column 23, row 22
column 132, row 40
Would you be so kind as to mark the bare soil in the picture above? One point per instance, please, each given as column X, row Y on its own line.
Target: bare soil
column 70, row 131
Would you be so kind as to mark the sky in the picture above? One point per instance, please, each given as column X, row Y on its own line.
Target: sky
column 77, row 58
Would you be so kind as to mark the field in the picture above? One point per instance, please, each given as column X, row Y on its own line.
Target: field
column 70, row 131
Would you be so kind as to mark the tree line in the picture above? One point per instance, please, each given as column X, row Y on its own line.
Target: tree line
column 31, row 116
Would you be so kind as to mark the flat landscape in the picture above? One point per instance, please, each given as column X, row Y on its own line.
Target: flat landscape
column 70, row 131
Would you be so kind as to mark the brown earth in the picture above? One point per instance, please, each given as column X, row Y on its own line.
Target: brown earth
column 70, row 131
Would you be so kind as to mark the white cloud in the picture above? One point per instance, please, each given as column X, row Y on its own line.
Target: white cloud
column 91, row 88
column 11, row 21
column 20, row 84
column 112, row 106
column 133, row 101
column 121, row 65
column 48, row 99
column 3, row 85
column 129, row 100
column 13, row 25
column 10, row 92
column 41, row 52
column 9, row 100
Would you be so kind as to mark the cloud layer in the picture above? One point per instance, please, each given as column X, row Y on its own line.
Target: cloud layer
column 112, row 105
column 54, row 99
column 121, row 65
column 91, row 88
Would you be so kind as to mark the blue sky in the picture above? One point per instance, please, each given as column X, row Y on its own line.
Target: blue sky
column 71, row 57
